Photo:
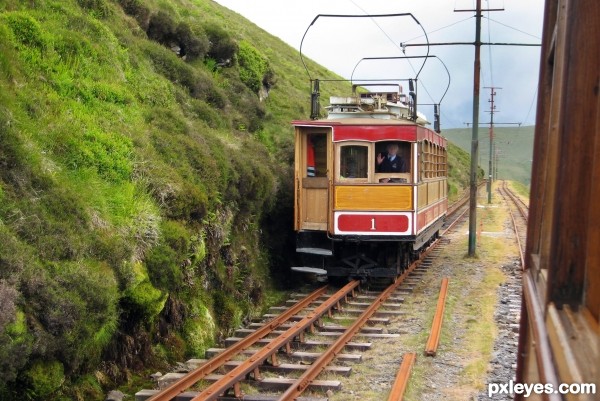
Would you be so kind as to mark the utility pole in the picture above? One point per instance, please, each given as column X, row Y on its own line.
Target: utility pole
column 490, row 165
column 475, row 133
column 475, row 136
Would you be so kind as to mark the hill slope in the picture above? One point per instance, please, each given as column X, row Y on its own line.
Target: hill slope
column 514, row 147
column 145, row 185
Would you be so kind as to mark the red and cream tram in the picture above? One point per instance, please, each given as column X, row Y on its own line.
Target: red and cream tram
column 370, row 186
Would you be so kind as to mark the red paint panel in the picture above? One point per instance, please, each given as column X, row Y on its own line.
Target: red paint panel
column 431, row 136
column 425, row 217
column 366, row 222
column 374, row 133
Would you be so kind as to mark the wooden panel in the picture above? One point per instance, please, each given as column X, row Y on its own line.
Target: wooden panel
column 575, row 153
column 315, row 182
column 373, row 197
column 315, row 207
column 592, row 285
column 433, row 192
column 297, row 168
column 422, row 196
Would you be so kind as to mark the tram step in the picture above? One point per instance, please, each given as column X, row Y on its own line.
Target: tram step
column 315, row 251
column 305, row 269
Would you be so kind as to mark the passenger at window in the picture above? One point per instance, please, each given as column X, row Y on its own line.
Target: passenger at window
column 391, row 162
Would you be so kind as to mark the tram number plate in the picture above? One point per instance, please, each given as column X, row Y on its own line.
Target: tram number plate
column 381, row 223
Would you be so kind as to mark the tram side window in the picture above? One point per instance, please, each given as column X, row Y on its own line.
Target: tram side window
column 434, row 160
column 316, row 155
column 354, row 161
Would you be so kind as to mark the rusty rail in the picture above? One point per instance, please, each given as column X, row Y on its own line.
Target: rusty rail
column 214, row 363
column 317, row 367
column 401, row 382
column 233, row 378
column 436, row 327
column 508, row 192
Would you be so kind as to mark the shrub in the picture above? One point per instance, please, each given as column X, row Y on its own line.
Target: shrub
column 226, row 310
column 16, row 344
column 26, row 30
column 45, row 378
column 162, row 28
column 199, row 84
column 168, row 261
column 76, row 307
column 192, row 46
column 137, row 10
column 253, row 66
column 223, row 48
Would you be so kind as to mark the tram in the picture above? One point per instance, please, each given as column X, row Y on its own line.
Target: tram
column 370, row 185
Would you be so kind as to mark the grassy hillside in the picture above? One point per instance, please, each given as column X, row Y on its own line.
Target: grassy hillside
column 514, row 146
column 145, row 185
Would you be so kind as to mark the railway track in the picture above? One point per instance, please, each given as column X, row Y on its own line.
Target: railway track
column 519, row 213
column 281, row 359
column 509, row 310
column 282, row 349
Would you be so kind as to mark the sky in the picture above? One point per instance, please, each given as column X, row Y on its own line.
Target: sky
column 341, row 44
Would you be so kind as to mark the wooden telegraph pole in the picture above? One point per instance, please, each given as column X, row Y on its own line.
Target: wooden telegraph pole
column 475, row 132
column 475, row 136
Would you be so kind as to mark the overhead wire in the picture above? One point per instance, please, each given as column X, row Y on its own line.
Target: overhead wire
column 531, row 105
column 439, row 29
column 513, row 28
column 398, row 46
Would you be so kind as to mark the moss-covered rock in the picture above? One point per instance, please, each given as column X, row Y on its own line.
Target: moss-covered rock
column 143, row 299
column 199, row 329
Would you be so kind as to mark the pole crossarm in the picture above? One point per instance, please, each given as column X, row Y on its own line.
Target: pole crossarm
column 468, row 43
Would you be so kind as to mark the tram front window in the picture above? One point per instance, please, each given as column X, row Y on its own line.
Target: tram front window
column 354, row 161
column 392, row 162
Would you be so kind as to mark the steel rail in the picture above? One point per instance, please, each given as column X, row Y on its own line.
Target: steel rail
column 401, row 382
column 218, row 360
column 512, row 217
column 232, row 378
column 521, row 206
column 296, row 389
column 436, row 326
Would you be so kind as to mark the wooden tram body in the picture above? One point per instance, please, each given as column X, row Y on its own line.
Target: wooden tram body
column 560, row 337
column 350, row 219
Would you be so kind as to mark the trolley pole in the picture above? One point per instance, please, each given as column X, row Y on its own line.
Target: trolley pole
column 475, row 136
